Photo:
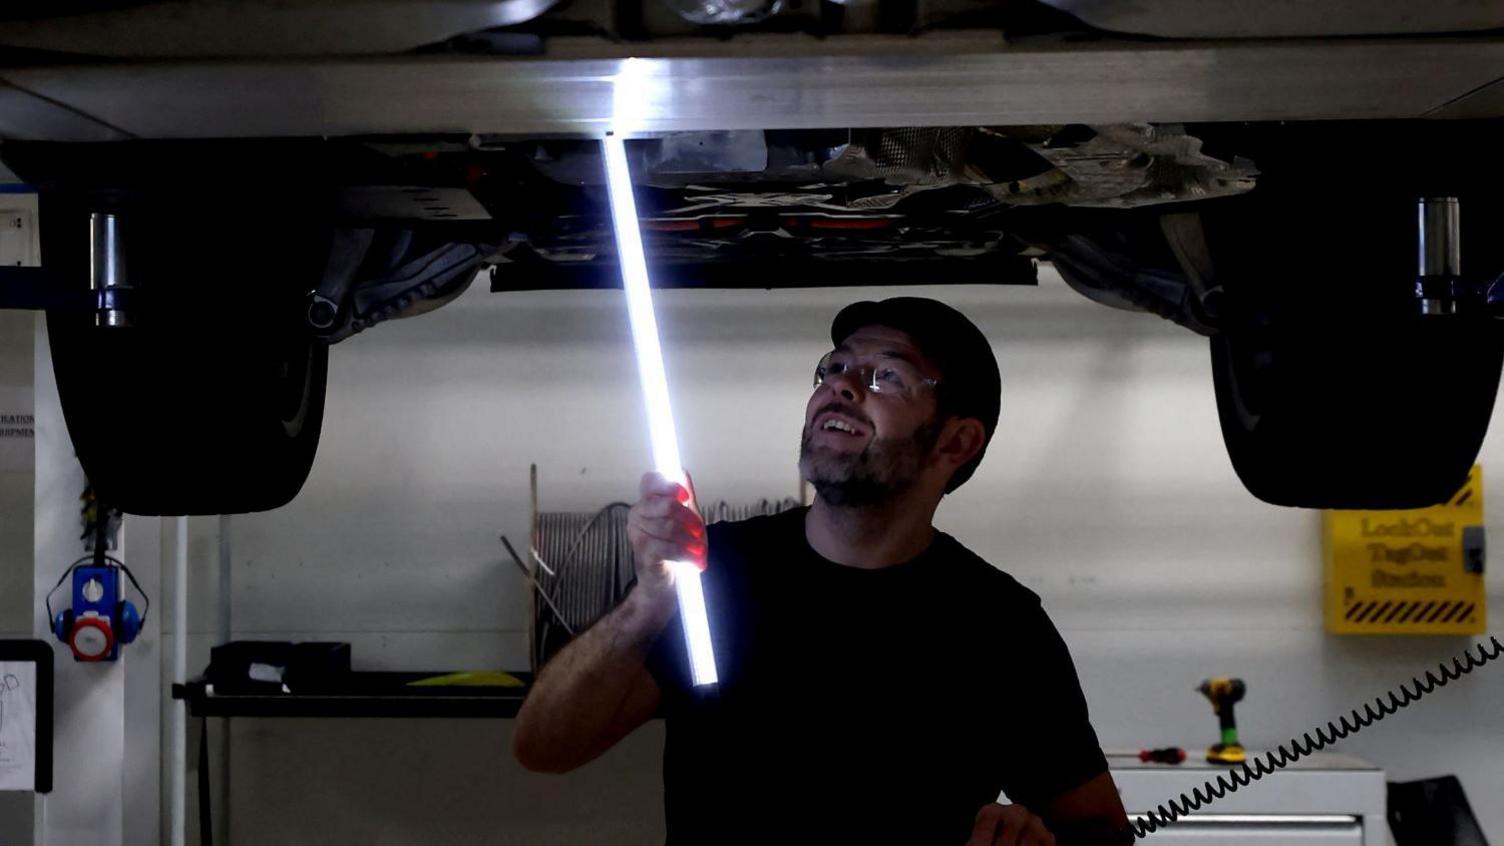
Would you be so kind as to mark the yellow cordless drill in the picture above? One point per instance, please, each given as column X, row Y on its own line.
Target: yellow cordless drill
column 1224, row 693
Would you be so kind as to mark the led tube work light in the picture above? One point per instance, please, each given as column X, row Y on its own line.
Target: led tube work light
column 634, row 277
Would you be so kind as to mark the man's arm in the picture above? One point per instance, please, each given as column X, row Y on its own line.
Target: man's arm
column 593, row 693
column 598, row 688
column 1089, row 815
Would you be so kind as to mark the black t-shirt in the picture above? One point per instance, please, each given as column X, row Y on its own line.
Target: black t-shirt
column 881, row 706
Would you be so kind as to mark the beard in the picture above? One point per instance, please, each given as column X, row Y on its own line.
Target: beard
column 882, row 471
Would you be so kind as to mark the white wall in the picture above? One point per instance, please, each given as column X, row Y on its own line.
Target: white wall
column 17, row 464
column 15, row 476
column 106, row 714
column 1106, row 490
column 15, row 525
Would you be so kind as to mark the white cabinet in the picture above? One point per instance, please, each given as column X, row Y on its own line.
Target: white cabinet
column 1326, row 799
column 1258, row 831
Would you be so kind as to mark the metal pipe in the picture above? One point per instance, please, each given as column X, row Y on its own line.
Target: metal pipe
column 1439, row 254
column 180, row 675
column 107, row 271
column 226, row 632
column 1440, row 237
column 225, row 625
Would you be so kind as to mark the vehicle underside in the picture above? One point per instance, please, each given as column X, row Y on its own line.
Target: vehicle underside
column 370, row 172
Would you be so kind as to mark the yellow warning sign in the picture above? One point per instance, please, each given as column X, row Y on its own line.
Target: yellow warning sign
column 1408, row 572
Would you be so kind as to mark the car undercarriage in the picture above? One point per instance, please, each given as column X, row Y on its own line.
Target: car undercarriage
column 1245, row 180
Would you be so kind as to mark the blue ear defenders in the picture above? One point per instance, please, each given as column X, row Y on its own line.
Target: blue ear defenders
column 100, row 620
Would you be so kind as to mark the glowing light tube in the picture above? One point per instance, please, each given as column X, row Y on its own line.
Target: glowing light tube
column 634, row 277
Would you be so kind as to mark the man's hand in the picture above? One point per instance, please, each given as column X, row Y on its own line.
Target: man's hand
column 1009, row 825
column 662, row 528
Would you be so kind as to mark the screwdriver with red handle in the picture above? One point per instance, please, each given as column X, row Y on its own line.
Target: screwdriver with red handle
column 1165, row 755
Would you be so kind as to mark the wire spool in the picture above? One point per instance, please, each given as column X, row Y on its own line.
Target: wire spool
column 583, row 565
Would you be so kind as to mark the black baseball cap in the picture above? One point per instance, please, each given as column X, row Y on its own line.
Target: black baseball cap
column 970, row 384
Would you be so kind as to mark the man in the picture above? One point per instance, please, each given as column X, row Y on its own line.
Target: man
column 879, row 683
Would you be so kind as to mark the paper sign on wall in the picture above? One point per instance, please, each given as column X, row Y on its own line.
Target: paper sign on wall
column 18, row 725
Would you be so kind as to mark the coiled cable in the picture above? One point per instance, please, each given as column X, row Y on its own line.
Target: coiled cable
column 1319, row 738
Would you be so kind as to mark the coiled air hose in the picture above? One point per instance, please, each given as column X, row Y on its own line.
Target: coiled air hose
column 1259, row 766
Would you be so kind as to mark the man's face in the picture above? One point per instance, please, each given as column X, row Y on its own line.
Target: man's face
column 861, row 447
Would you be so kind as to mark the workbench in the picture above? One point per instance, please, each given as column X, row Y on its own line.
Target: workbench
column 359, row 694
column 1326, row 799
column 355, row 694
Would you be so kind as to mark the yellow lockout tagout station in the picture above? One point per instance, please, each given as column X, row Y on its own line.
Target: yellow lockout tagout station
column 1418, row 571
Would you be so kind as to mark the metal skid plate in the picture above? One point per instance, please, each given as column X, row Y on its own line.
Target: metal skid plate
column 760, row 82
column 410, row 202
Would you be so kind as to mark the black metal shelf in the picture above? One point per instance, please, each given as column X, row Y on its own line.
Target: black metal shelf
column 359, row 694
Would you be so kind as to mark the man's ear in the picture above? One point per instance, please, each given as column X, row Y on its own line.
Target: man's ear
column 961, row 438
